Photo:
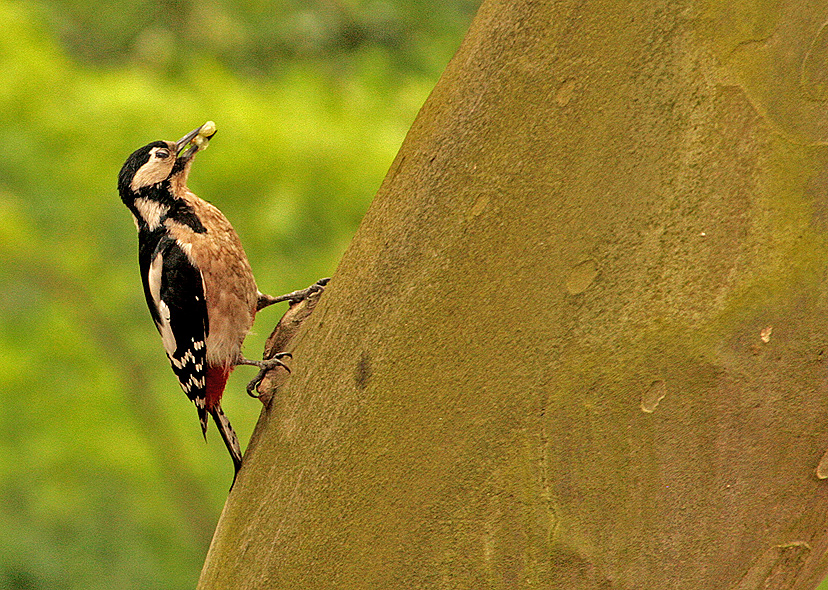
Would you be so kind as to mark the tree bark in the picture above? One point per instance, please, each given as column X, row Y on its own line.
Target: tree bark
column 579, row 340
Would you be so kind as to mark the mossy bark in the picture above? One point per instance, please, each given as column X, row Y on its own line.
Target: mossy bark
column 579, row 340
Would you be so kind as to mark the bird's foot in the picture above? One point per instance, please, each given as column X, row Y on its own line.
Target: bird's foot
column 292, row 297
column 264, row 367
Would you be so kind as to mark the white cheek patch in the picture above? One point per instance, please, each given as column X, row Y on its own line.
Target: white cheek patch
column 153, row 172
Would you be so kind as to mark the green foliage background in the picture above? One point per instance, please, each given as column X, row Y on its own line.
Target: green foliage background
column 105, row 481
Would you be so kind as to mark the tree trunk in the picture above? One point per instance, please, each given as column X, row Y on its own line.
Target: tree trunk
column 579, row 340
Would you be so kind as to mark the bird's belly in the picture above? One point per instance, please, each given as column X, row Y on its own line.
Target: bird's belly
column 230, row 321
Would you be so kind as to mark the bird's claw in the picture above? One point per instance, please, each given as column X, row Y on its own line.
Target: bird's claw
column 254, row 383
column 264, row 367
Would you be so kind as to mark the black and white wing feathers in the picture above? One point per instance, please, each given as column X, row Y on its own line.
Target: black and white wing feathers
column 174, row 289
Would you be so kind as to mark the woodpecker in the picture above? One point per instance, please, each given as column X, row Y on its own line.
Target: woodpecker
column 197, row 280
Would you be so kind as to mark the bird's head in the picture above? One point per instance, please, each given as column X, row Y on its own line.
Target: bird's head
column 156, row 162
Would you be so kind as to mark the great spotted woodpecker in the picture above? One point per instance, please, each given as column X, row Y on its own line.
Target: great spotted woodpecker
column 197, row 280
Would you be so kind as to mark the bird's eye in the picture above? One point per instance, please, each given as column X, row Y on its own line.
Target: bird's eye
column 162, row 154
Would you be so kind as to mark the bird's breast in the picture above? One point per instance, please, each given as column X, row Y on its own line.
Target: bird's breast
column 229, row 287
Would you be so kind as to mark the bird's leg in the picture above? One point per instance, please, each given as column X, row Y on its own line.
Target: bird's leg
column 264, row 367
column 293, row 296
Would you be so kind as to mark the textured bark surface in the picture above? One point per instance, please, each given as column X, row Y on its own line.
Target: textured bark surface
column 579, row 340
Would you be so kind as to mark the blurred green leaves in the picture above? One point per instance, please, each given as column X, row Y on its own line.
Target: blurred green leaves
column 106, row 482
column 257, row 36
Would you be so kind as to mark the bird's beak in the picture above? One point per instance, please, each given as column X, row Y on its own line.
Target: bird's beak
column 187, row 139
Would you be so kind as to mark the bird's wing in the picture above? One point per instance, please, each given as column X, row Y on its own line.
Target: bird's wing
column 175, row 293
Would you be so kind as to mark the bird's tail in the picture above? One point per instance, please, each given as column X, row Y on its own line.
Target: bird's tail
column 229, row 437
column 203, row 417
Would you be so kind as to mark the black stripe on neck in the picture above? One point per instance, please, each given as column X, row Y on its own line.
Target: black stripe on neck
column 177, row 209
